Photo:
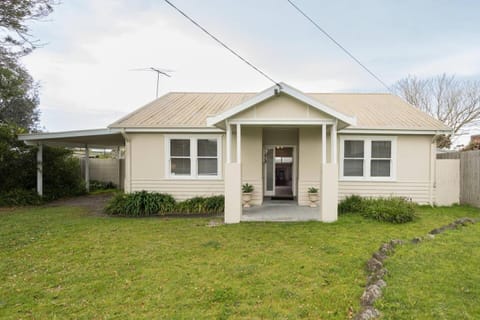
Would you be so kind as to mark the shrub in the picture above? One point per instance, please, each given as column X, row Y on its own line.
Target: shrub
column 351, row 204
column 393, row 210
column 143, row 203
column 61, row 172
column 202, row 205
column 20, row 197
column 101, row 185
column 139, row 204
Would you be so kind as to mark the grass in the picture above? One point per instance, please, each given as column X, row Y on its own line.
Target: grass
column 63, row 262
column 435, row 280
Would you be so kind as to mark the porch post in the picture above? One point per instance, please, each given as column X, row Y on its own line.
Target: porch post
column 333, row 143
column 233, row 180
column 40, row 170
column 87, row 169
column 329, row 179
column 229, row 142
column 324, row 143
column 239, row 143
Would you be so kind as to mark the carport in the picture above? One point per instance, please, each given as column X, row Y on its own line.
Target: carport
column 87, row 139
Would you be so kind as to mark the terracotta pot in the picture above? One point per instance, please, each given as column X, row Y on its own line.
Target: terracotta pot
column 246, row 198
column 313, row 198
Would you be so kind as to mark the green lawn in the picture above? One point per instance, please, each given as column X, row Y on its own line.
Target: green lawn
column 63, row 262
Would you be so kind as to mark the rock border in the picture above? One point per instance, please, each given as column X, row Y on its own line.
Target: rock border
column 377, row 271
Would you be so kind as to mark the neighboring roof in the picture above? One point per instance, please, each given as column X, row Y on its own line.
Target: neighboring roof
column 79, row 138
column 191, row 110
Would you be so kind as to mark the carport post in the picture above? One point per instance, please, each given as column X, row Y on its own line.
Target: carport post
column 40, row 170
column 87, row 169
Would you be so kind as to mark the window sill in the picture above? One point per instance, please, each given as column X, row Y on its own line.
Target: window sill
column 367, row 179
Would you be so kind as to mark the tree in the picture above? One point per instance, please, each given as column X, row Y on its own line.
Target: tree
column 15, row 16
column 454, row 102
column 18, row 92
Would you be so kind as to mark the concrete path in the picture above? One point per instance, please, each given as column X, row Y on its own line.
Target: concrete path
column 280, row 210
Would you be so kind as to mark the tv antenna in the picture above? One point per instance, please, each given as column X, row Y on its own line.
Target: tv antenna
column 158, row 71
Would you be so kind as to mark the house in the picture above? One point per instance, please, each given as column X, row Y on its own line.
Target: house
column 281, row 140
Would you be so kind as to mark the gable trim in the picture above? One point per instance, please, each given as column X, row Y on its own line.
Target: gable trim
column 273, row 91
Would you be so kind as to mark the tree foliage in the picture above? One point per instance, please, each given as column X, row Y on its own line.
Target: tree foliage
column 453, row 101
column 18, row 94
column 61, row 172
column 15, row 16
column 18, row 91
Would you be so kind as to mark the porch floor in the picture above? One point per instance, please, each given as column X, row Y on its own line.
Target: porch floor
column 280, row 210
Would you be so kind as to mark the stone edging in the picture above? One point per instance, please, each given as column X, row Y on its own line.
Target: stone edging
column 377, row 271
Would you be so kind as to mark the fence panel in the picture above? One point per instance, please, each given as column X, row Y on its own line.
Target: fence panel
column 470, row 178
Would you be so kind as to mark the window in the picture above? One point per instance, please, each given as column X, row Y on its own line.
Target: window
column 367, row 158
column 207, row 157
column 381, row 158
column 192, row 157
column 353, row 159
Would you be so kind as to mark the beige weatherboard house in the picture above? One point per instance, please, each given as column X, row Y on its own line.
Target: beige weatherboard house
column 281, row 140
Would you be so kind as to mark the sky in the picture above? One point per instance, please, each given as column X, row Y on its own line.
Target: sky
column 90, row 48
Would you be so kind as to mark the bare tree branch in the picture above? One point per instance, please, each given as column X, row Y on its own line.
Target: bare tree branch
column 454, row 102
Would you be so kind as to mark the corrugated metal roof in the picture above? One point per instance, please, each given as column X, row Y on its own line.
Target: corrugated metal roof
column 190, row 110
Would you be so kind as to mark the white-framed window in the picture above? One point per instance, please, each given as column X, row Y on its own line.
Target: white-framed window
column 368, row 158
column 193, row 156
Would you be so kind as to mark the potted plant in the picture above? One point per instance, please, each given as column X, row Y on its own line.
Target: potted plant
column 247, row 190
column 313, row 196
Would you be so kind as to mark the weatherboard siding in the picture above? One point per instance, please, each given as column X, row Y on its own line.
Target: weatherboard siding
column 416, row 190
column 181, row 189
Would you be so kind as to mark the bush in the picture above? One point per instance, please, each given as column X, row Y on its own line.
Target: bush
column 20, row 197
column 18, row 169
column 101, row 185
column 201, row 205
column 140, row 204
column 143, row 203
column 351, row 204
column 393, row 209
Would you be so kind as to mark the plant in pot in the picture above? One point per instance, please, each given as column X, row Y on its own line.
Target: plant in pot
column 313, row 196
column 247, row 190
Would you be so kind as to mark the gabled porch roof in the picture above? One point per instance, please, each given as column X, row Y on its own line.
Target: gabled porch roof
column 343, row 120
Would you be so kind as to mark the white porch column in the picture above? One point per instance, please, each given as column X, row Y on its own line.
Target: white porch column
column 329, row 192
column 87, row 169
column 333, row 143
column 229, row 143
column 239, row 143
column 324, row 143
column 40, row 170
column 329, row 178
column 233, row 180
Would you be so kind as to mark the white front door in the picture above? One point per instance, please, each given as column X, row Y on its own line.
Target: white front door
column 279, row 171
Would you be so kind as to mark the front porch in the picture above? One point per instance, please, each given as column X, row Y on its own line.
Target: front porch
column 279, row 211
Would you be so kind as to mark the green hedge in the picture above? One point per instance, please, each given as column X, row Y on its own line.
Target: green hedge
column 143, row 203
column 20, row 197
column 392, row 209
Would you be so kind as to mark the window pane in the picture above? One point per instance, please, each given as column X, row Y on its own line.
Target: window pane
column 353, row 149
column 207, row 167
column 380, row 168
column 207, row 147
column 180, row 147
column 180, row 166
column 352, row 168
column 381, row 149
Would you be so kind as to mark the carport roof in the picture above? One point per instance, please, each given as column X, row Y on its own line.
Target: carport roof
column 94, row 138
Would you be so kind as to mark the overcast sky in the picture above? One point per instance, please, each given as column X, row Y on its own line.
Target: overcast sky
column 91, row 46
